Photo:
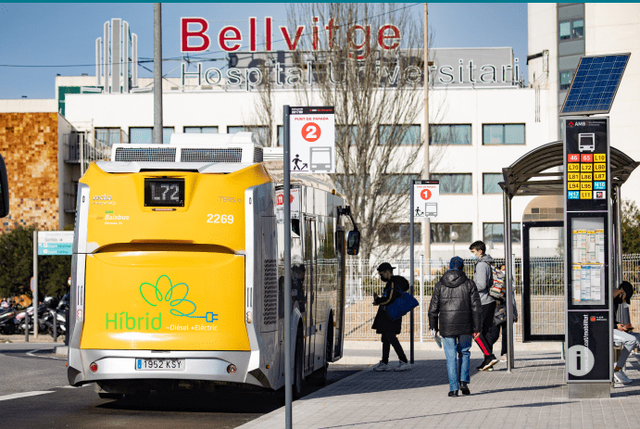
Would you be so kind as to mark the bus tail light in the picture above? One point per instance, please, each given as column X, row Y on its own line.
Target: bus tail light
column 231, row 369
column 93, row 367
column 249, row 317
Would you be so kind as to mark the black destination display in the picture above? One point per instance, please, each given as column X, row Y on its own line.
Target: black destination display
column 163, row 192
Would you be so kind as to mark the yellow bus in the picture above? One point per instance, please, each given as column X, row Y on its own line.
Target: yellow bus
column 178, row 270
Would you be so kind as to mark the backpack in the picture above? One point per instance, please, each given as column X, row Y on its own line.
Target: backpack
column 498, row 288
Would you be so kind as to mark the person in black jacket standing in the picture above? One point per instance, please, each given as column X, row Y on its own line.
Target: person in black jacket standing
column 456, row 312
column 383, row 324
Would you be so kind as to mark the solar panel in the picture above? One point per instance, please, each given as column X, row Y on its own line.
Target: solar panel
column 594, row 85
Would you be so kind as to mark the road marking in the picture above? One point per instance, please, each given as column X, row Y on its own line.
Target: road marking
column 23, row 395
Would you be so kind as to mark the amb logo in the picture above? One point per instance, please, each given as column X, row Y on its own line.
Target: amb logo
column 162, row 292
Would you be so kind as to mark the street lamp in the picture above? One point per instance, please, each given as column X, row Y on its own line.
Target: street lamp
column 453, row 236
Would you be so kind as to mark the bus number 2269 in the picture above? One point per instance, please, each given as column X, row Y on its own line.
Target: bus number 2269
column 218, row 218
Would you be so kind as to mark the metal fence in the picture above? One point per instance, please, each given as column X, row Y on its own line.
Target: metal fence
column 547, row 294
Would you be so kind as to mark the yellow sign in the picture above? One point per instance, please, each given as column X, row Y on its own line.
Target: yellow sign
column 600, row 157
column 573, row 176
column 586, row 167
column 586, row 186
column 585, row 177
column 150, row 300
column 573, row 166
column 585, row 195
column 599, row 167
column 573, row 186
column 599, row 176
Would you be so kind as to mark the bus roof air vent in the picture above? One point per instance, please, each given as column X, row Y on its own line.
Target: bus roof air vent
column 219, row 148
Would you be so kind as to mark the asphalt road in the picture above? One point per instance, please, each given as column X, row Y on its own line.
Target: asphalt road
column 34, row 393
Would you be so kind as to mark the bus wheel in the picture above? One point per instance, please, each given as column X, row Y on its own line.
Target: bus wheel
column 298, row 379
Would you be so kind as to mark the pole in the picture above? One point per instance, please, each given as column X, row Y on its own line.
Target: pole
column 35, row 285
column 618, row 269
column 411, row 272
column 508, row 278
column 286, row 164
column 427, row 233
column 421, row 298
column 157, row 73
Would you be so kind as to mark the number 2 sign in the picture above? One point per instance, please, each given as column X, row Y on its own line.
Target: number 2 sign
column 311, row 132
column 312, row 139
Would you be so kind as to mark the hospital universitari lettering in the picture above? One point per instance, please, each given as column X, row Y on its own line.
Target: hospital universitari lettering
column 194, row 38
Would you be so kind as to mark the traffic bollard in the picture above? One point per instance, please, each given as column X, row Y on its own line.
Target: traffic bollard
column 55, row 326
column 26, row 326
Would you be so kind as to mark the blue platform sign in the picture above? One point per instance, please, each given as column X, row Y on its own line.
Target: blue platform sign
column 55, row 243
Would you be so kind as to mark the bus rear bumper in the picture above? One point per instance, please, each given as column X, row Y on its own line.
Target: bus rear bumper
column 113, row 366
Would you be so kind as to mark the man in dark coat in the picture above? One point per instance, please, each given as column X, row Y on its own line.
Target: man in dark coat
column 386, row 326
column 456, row 312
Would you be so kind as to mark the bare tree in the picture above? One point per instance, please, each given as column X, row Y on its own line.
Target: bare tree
column 349, row 57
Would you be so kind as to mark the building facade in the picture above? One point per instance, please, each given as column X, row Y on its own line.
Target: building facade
column 482, row 119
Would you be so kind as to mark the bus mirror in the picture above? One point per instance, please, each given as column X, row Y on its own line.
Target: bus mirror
column 353, row 243
column 4, row 189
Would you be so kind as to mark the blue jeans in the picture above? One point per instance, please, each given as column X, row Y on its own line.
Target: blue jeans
column 457, row 369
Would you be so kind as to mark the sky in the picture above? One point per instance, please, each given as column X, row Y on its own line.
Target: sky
column 40, row 40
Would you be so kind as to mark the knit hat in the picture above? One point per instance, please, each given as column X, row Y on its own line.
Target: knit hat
column 456, row 263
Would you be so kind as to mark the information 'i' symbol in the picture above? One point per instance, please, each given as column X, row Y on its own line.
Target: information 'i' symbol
column 311, row 132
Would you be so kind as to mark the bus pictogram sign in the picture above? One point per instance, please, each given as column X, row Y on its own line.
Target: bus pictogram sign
column 312, row 139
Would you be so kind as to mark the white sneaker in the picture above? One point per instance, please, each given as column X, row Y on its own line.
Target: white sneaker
column 381, row 366
column 621, row 378
column 403, row 366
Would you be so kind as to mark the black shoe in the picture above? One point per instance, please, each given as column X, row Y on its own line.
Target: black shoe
column 464, row 388
column 484, row 363
column 453, row 393
column 489, row 362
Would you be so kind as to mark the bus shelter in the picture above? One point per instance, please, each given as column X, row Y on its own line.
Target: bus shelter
column 540, row 172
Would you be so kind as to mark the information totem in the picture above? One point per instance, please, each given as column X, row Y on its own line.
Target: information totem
column 588, row 275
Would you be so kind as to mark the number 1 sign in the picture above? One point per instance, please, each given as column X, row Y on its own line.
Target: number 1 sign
column 312, row 140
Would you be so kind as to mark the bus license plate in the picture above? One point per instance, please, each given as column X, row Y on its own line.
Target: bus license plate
column 159, row 364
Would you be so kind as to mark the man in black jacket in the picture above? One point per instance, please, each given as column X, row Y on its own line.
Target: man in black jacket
column 456, row 312
column 386, row 326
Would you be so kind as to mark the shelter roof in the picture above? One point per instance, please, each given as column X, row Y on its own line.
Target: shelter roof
column 540, row 172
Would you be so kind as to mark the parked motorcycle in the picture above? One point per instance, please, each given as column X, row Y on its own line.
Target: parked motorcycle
column 7, row 321
column 59, row 313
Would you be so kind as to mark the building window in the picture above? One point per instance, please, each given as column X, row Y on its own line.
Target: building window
column 494, row 232
column 565, row 80
column 201, row 130
column 396, row 184
column 440, row 134
column 260, row 131
column 456, row 183
column 109, row 136
column 490, row 183
column 400, row 135
column 400, row 233
column 144, row 135
column 441, row 232
column 503, row 134
column 571, row 30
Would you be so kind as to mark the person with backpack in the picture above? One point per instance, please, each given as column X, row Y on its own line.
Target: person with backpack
column 484, row 280
column 455, row 311
column 384, row 325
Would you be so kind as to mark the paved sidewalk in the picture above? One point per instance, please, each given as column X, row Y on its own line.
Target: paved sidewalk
column 534, row 395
